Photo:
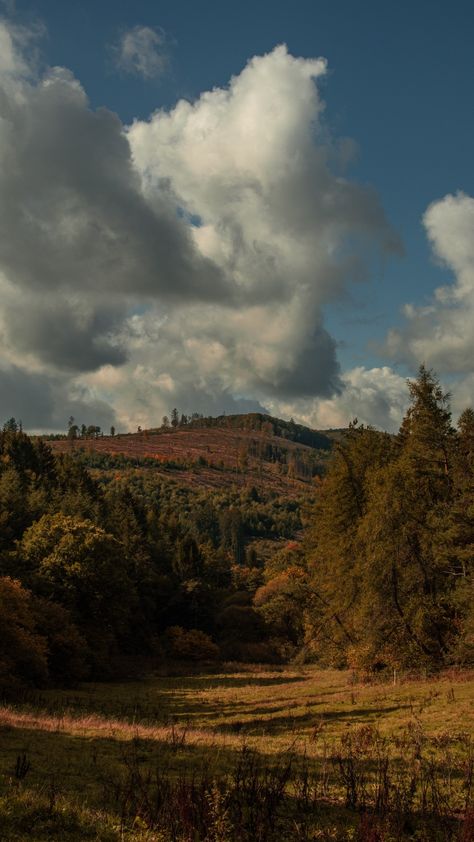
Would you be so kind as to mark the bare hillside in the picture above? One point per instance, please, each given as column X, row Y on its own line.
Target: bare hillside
column 211, row 456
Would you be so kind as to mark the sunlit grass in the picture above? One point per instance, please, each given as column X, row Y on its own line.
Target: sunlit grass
column 77, row 742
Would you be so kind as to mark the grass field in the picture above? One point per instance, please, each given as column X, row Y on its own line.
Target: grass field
column 293, row 754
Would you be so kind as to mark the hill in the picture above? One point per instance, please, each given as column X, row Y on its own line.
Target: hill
column 252, row 449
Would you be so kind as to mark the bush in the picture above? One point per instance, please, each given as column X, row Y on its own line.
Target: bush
column 68, row 653
column 190, row 645
column 23, row 652
column 250, row 652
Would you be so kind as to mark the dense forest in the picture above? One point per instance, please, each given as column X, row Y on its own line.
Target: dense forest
column 390, row 550
column 98, row 572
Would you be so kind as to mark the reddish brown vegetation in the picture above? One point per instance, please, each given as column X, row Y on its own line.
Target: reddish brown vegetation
column 206, row 455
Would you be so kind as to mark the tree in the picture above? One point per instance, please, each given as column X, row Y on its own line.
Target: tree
column 112, row 431
column 333, row 550
column 190, row 645
column 14, row 509
column 67, row 652
column 458, row 544
column 174, row 418
column 281, row 602
column 45, row 467
column 10, row 426
column 23, row 652
column 73, row 432
column 75, row 492
column 125, row 518
column 232, row 532
column 386, row 549
column 426, row 435
column 82, row 567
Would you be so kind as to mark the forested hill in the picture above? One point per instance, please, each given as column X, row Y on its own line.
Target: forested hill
column 127, row 546
column 151, row 544
column 257, row 421
column 212, row 452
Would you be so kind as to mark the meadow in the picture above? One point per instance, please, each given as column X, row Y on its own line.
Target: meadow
column 261, row 754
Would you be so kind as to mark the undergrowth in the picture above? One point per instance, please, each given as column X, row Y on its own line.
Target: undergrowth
column 73, row 775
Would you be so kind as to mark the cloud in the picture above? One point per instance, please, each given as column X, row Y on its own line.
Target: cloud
column 43, row 402
column 79, row 243
column 375, row 396
column 441, row 332
column 252, row 165
column 143, row 393
column 186, row 259
column 142, row 51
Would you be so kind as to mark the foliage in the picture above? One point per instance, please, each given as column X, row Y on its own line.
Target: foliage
column 22, row 650
column 190, row 645
column 78, row 564
column 377, row 574
column 390, row 552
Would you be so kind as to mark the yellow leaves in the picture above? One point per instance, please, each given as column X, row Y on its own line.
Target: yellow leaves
column 282, row 584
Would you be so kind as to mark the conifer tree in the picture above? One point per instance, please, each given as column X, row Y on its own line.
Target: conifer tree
column 390, row 552
column 334, row 554
column 405, row 580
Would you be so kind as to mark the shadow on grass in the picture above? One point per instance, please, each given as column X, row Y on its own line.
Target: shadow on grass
column 290, row 722
column 151, row 700
column 135, row 777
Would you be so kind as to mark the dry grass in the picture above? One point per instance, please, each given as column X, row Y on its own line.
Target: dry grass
column 79, row 742
column 277, row 702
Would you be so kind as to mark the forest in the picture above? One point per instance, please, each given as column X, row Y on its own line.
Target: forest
column 372, row 569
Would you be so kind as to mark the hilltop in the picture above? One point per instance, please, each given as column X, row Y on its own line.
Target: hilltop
column 211, row 452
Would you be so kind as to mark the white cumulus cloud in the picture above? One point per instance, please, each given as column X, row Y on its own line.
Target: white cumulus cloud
column 375, row 396
column 441, row 333
column 186, row 259
column 252, row 168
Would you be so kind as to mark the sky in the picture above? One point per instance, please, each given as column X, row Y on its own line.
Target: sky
column 234, row 207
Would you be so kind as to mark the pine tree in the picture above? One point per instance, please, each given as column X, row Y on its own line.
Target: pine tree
column 411, row 606
column 390, row 552
column 334, row 554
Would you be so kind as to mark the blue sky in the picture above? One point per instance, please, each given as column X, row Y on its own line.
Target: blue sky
column 399, row 85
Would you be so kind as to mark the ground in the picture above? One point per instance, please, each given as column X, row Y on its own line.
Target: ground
column 72, row 762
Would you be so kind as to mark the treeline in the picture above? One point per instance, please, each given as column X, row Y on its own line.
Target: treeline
column 256, row 421
column 297, row 463
column 94, row 572
column 390, row 550
column 252, row 421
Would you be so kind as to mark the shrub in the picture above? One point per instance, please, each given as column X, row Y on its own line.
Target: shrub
column 23, row 652
column 68, row 653
column 190, row 644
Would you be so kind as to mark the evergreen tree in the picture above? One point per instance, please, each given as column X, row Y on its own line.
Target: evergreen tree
column 334, row 552
column 391, row 547
column 407, row 606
